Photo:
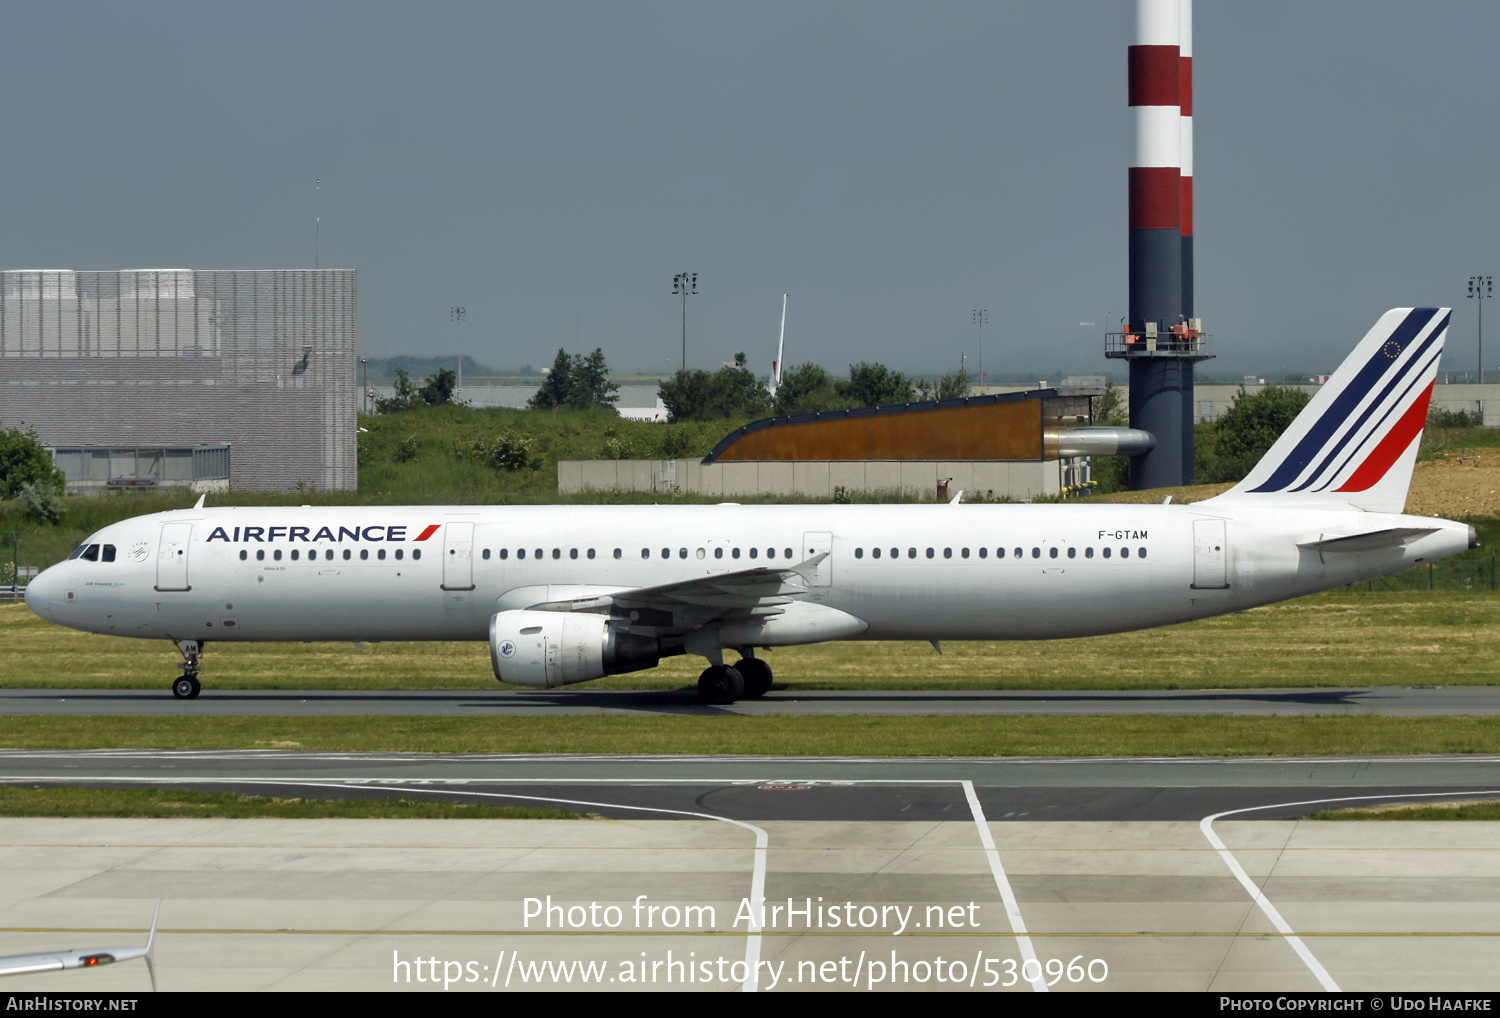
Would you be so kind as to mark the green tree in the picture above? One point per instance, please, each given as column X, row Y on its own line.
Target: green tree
column 704, row 396
column 438, row 389
column 953, row 385
column 1251, row 425
column 1110, row 408
column 24, row 461
column 877, row 385
column 808, row 388
column 404, row 399
column 577, row 382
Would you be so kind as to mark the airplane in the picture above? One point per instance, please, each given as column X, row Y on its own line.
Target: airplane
column 83, row 958
column 569, row 593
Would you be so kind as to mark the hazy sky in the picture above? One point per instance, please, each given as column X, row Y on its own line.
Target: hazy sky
column 892, row 165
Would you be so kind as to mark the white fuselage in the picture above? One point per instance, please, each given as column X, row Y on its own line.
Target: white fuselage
column 944, row 572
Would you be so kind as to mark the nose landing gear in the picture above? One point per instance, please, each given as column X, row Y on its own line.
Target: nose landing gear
column 187, row 686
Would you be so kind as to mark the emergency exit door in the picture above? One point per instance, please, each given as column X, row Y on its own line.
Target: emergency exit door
column 1209, row 555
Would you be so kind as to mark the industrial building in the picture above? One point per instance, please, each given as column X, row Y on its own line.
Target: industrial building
column 143, row 378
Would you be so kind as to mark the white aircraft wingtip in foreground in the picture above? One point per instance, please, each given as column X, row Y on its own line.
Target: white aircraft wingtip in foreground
column 83, row 958
column 565, row 594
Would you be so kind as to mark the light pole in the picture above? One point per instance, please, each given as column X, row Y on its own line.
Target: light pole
column 458, row 314
column 364, row 390
column 1480, row 289
column 684, row 283
column 981, row 319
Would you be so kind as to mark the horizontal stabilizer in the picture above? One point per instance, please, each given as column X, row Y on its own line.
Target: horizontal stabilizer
column 1375, row 540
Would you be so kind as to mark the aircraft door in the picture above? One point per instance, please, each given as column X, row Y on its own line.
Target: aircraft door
column 1210, row 553
column 172, row 557
column 817, row 544
column 458, row 555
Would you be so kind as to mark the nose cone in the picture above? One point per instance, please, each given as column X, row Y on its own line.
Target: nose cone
column 44, row 593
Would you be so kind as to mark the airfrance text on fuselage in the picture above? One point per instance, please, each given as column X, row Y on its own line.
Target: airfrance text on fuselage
column 270, row 535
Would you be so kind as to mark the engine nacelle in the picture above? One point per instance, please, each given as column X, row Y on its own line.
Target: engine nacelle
column 533, row 648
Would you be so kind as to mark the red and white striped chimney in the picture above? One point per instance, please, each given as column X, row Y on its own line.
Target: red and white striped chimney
column 1155, row 166
column 1185, row 90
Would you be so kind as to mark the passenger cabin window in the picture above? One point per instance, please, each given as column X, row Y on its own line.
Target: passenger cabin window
column 666, row 553
column 380, row 554
column 1036, row 553
column 618, row 553
column 294, row 554
column 966, row 553
column 645, row 553
column 572, row 553
column 786, row 553
column 718, row 553
column 504, row 554
column 276, row 554
column 520, row 553
column 875, row 552
column 591, row 553
column 260, row 555
column 537, row 553
column 911, row 553
column 349, row 554
column 1106, row 553
column 1052, row 553
column 364, row 554
column 416, row 553
column 929, row 553
column 244, row 554
column 1018, row 553
column 859, row 553
column 754, row 552
column 735, row 553
column 1140, row 552
column 1088, row 553
column 1124, row 552
column 556, row 553
column 399, row 553
column 485, row 554
column 985, row 553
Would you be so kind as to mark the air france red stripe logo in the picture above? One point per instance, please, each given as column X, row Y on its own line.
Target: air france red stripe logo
column 432, row 528
column 1396, row 442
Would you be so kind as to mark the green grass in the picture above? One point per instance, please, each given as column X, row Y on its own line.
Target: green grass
column 1342, row 639
column 40, row 801
column 1469, row 810
column 946, row 736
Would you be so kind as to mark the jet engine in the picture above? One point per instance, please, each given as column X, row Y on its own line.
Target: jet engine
column 537, row 648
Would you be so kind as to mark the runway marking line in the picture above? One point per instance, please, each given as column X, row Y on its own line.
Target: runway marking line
column 1206, row 825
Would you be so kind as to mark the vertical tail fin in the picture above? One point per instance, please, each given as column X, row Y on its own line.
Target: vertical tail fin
column 1355, row 444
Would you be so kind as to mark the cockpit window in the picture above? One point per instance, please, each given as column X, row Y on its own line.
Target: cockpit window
column 91, row 553
column 78, row 551
column 107, row 554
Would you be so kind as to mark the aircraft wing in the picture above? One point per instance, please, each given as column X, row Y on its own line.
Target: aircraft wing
column 689, row 604
column 81, row 958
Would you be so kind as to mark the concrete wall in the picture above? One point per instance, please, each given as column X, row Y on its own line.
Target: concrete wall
column 816, row 479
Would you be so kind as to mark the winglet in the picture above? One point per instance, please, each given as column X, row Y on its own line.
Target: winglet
column 199, row 503
column 957, row 498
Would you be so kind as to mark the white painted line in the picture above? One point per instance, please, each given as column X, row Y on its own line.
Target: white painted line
column 758, row 870
column 1206, row 826
column 1012, row 907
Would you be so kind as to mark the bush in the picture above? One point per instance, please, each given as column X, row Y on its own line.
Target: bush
column 407, row 450
column 1455, row 418
column 704, row 396
column 43, row 503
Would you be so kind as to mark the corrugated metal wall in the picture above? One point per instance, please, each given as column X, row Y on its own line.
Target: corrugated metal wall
column 261, row 359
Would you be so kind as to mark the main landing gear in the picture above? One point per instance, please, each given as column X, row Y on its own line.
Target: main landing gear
column 721, row 684
column 187, row 686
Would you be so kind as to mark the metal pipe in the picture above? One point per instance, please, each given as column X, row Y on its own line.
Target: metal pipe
column 1096, row 441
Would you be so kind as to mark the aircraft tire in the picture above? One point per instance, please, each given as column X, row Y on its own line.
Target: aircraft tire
column 720, row 684
column 186, row 688
column 757, row 676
